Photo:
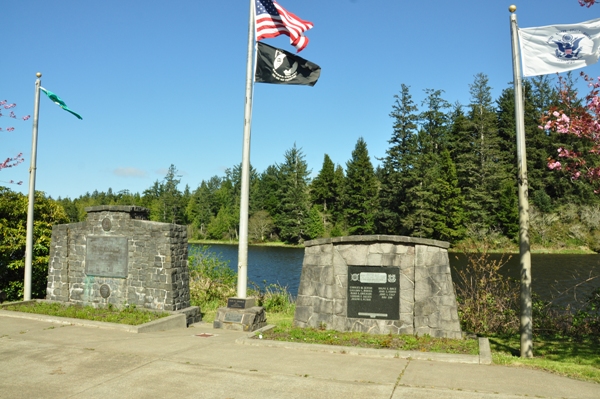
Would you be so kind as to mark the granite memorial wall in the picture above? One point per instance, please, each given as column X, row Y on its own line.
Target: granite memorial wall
column 378, row 284
column 119, row 257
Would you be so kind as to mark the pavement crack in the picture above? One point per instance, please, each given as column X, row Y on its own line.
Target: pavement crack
column 114, row 378
column 400, row 377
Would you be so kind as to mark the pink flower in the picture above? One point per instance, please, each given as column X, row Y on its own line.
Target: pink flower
column 26, row 117
column 554, row 165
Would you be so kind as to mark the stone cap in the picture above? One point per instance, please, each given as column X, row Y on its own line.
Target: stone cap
column 377, row 238
column 136, row 212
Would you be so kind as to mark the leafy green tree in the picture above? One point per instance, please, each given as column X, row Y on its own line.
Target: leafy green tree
column 293, row 208
column 224, row 225
column 13, row 227
column 360, row 191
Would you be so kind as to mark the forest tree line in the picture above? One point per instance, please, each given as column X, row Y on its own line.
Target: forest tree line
column 449, row 171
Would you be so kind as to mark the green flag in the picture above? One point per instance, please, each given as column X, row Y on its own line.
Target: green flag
column 56, row 99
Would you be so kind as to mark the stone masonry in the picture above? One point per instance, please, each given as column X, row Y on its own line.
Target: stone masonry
column 119, row 257
column 427, row 302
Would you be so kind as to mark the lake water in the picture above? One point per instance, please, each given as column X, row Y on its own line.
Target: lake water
column 551, row 273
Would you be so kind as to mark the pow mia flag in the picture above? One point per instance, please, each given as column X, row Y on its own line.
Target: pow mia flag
column 278, row 66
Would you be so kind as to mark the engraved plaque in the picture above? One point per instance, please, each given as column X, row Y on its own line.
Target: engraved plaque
column 240, row 303
column 374, row 292
column 106, row 256
column 104, row 291
column 106, row 224
column 233, row 317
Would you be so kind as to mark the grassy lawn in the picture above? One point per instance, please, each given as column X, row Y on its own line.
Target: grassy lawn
column 575, row 359
column 129, row 315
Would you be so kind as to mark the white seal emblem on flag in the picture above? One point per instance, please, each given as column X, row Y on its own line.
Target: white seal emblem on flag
column 286, row 74
column 570, row 45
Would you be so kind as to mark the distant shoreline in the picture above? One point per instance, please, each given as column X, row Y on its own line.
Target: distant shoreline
column 566, row 251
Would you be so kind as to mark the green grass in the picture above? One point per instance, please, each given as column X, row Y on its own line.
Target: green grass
column 579, row 359
column 129, row 315
column 364, row 340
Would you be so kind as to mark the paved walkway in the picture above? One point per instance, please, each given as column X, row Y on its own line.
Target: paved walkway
column 46, row 360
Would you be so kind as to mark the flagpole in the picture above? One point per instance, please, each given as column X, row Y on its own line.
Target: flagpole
column 525, row 255
column 245, row 189
column 32, row 168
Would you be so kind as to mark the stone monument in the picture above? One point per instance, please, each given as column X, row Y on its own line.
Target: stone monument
column 119, row 257
column 378, row 284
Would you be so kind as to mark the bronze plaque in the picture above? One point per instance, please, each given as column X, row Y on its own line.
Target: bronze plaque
column 233, row 317
column 106, row 256
column 374, row 292
column 104, row 291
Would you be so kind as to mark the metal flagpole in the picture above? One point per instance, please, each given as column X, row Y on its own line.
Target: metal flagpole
column 32, row 168
column 245, row 195
column 526, row 305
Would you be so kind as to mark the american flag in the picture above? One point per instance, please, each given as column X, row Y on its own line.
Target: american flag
column 273, row 20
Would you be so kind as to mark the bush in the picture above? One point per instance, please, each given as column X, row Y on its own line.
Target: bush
column 13, row 228
column 212, row 281
column 488, row 302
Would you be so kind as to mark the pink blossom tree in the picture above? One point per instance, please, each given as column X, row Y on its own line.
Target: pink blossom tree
column 581, row 122
column 11, row 161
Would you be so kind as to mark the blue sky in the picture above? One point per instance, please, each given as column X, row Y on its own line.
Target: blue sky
column 162, row 82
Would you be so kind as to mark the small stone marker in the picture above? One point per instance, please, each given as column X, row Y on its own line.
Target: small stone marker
column 240, row 303
column 240, row 314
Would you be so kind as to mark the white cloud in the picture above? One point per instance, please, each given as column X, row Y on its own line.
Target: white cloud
column 129, row 172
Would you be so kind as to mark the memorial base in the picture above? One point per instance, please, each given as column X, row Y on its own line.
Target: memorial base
column 249, row 319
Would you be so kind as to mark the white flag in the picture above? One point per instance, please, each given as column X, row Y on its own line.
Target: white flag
column 559, row 48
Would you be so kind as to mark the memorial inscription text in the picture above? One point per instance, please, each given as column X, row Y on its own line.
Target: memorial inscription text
column 106, row 256
column 373, row 292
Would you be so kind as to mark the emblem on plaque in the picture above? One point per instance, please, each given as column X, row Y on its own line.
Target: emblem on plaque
column 391, row 278
column 106, row 225
column 104, row 291
column 355, row 276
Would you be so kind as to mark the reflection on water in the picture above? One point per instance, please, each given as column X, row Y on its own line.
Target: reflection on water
column 551, row 273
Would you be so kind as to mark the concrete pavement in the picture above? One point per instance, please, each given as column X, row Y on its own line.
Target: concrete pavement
column 46, row 360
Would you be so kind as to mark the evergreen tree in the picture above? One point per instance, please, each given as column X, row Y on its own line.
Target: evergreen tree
column 361, row 191
column 315, row 227
column 398, row 173
column 422, row 200
column 293, row 208
column 448, row 221
column 325, row 193
column 481, row 164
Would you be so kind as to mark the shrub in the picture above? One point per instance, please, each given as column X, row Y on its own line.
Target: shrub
column 488, row 302
column 212, row 281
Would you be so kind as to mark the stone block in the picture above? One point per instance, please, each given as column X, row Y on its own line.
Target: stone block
column 303, row 313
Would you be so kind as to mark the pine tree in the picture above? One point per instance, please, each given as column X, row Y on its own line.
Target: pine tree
column 325, row 193
column 398, row 173
column 360, row 191
column 292, row 212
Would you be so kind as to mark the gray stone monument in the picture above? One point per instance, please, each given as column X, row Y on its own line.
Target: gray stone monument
column 378, row 284
column 119, row 257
